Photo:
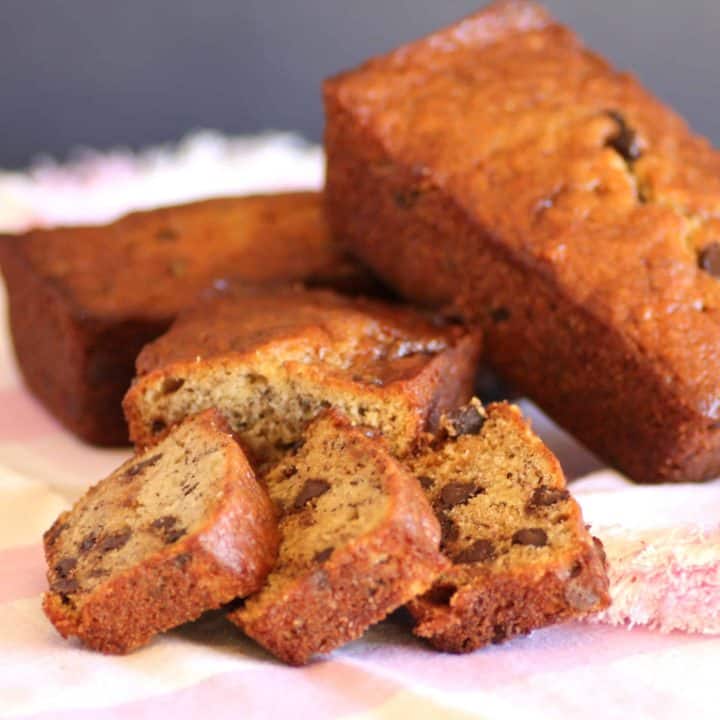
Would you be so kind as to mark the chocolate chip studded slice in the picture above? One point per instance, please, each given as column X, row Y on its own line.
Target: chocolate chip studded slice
column 139, row 556
column 522, row 557
column 349, row 560
column 709, row 259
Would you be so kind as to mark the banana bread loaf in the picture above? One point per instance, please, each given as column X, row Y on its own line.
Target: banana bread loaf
column 522, row 557
column 502, row 171
column 270, row 360
column 179, row 529
column 358, row 539
column 83, row 301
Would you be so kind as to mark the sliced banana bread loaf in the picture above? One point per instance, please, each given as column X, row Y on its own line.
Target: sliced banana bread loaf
column 501, row 170
column 270, row 360
column 359, row 539
column 522, row 557
column 84, row 300
column 179, row 529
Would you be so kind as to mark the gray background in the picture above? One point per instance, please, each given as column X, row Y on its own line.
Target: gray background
column 133, row 72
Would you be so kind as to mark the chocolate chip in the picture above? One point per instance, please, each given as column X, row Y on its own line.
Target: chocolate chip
column 172, row 536
column 292, row 447
column 164, row 523
column 406, row 198
column 182, row 560
column 166, row 234
column 88, row 541
column 66, row 566
column 449, row 529
column 65, row 585
column 289, row 471
column 158, row 426
column 544, row 496
column 171, row 385
column 188, row 488
column 425, row 481
column 709, row 259
column 625, row 141
column 480, row 551
column 500, row 315
column 311, row 489
column 500, row 633
column 115, row 540
column 467, row 420
column 136, row 469
column 536, row 537
column 323, row 555
column 457, row 493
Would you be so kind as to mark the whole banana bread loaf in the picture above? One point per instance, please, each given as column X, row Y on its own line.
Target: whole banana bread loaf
column 500, row 170
column 84, row 300
column 271, row 359
column 177, row 530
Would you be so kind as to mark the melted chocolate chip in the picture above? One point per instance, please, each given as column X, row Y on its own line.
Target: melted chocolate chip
column 65, row 585
column 166, row 234
column 171, row 385
column 500, row 315
column 311, row 489
column 467, row 420
column 450, row 531
column 625, row 141
column 182, row 560
column 536, row 537
column 323, row 555
column 136, row 469
column 425, row 481
column 88, row 542
column 480, row 551
column 158, row 426
column 545, row 496
column 174, row 535
column 406, row 198
column 164, row 523
column 457, row 493
column 115, row 540
column 709, row 259
column 66, row 566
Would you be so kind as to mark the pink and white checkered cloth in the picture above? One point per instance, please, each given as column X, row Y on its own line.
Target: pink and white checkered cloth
column 663, row 546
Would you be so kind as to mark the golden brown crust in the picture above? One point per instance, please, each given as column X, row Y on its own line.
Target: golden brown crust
column 501, row 170
column 228, row 556
column 500, row 595
column 84, row 300
column 349, row 351
column 333, row 602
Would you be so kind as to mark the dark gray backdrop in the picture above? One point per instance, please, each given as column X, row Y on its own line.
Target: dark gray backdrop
column 133, row 72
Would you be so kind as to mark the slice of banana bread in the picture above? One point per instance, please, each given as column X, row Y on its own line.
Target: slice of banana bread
column 358, row 539
column 522, row 558
column 83, row 301
column 270, row 360
column 179, row 529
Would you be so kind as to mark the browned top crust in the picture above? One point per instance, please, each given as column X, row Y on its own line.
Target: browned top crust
column 614, row 199
column 151, row 264
column 354, row 335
